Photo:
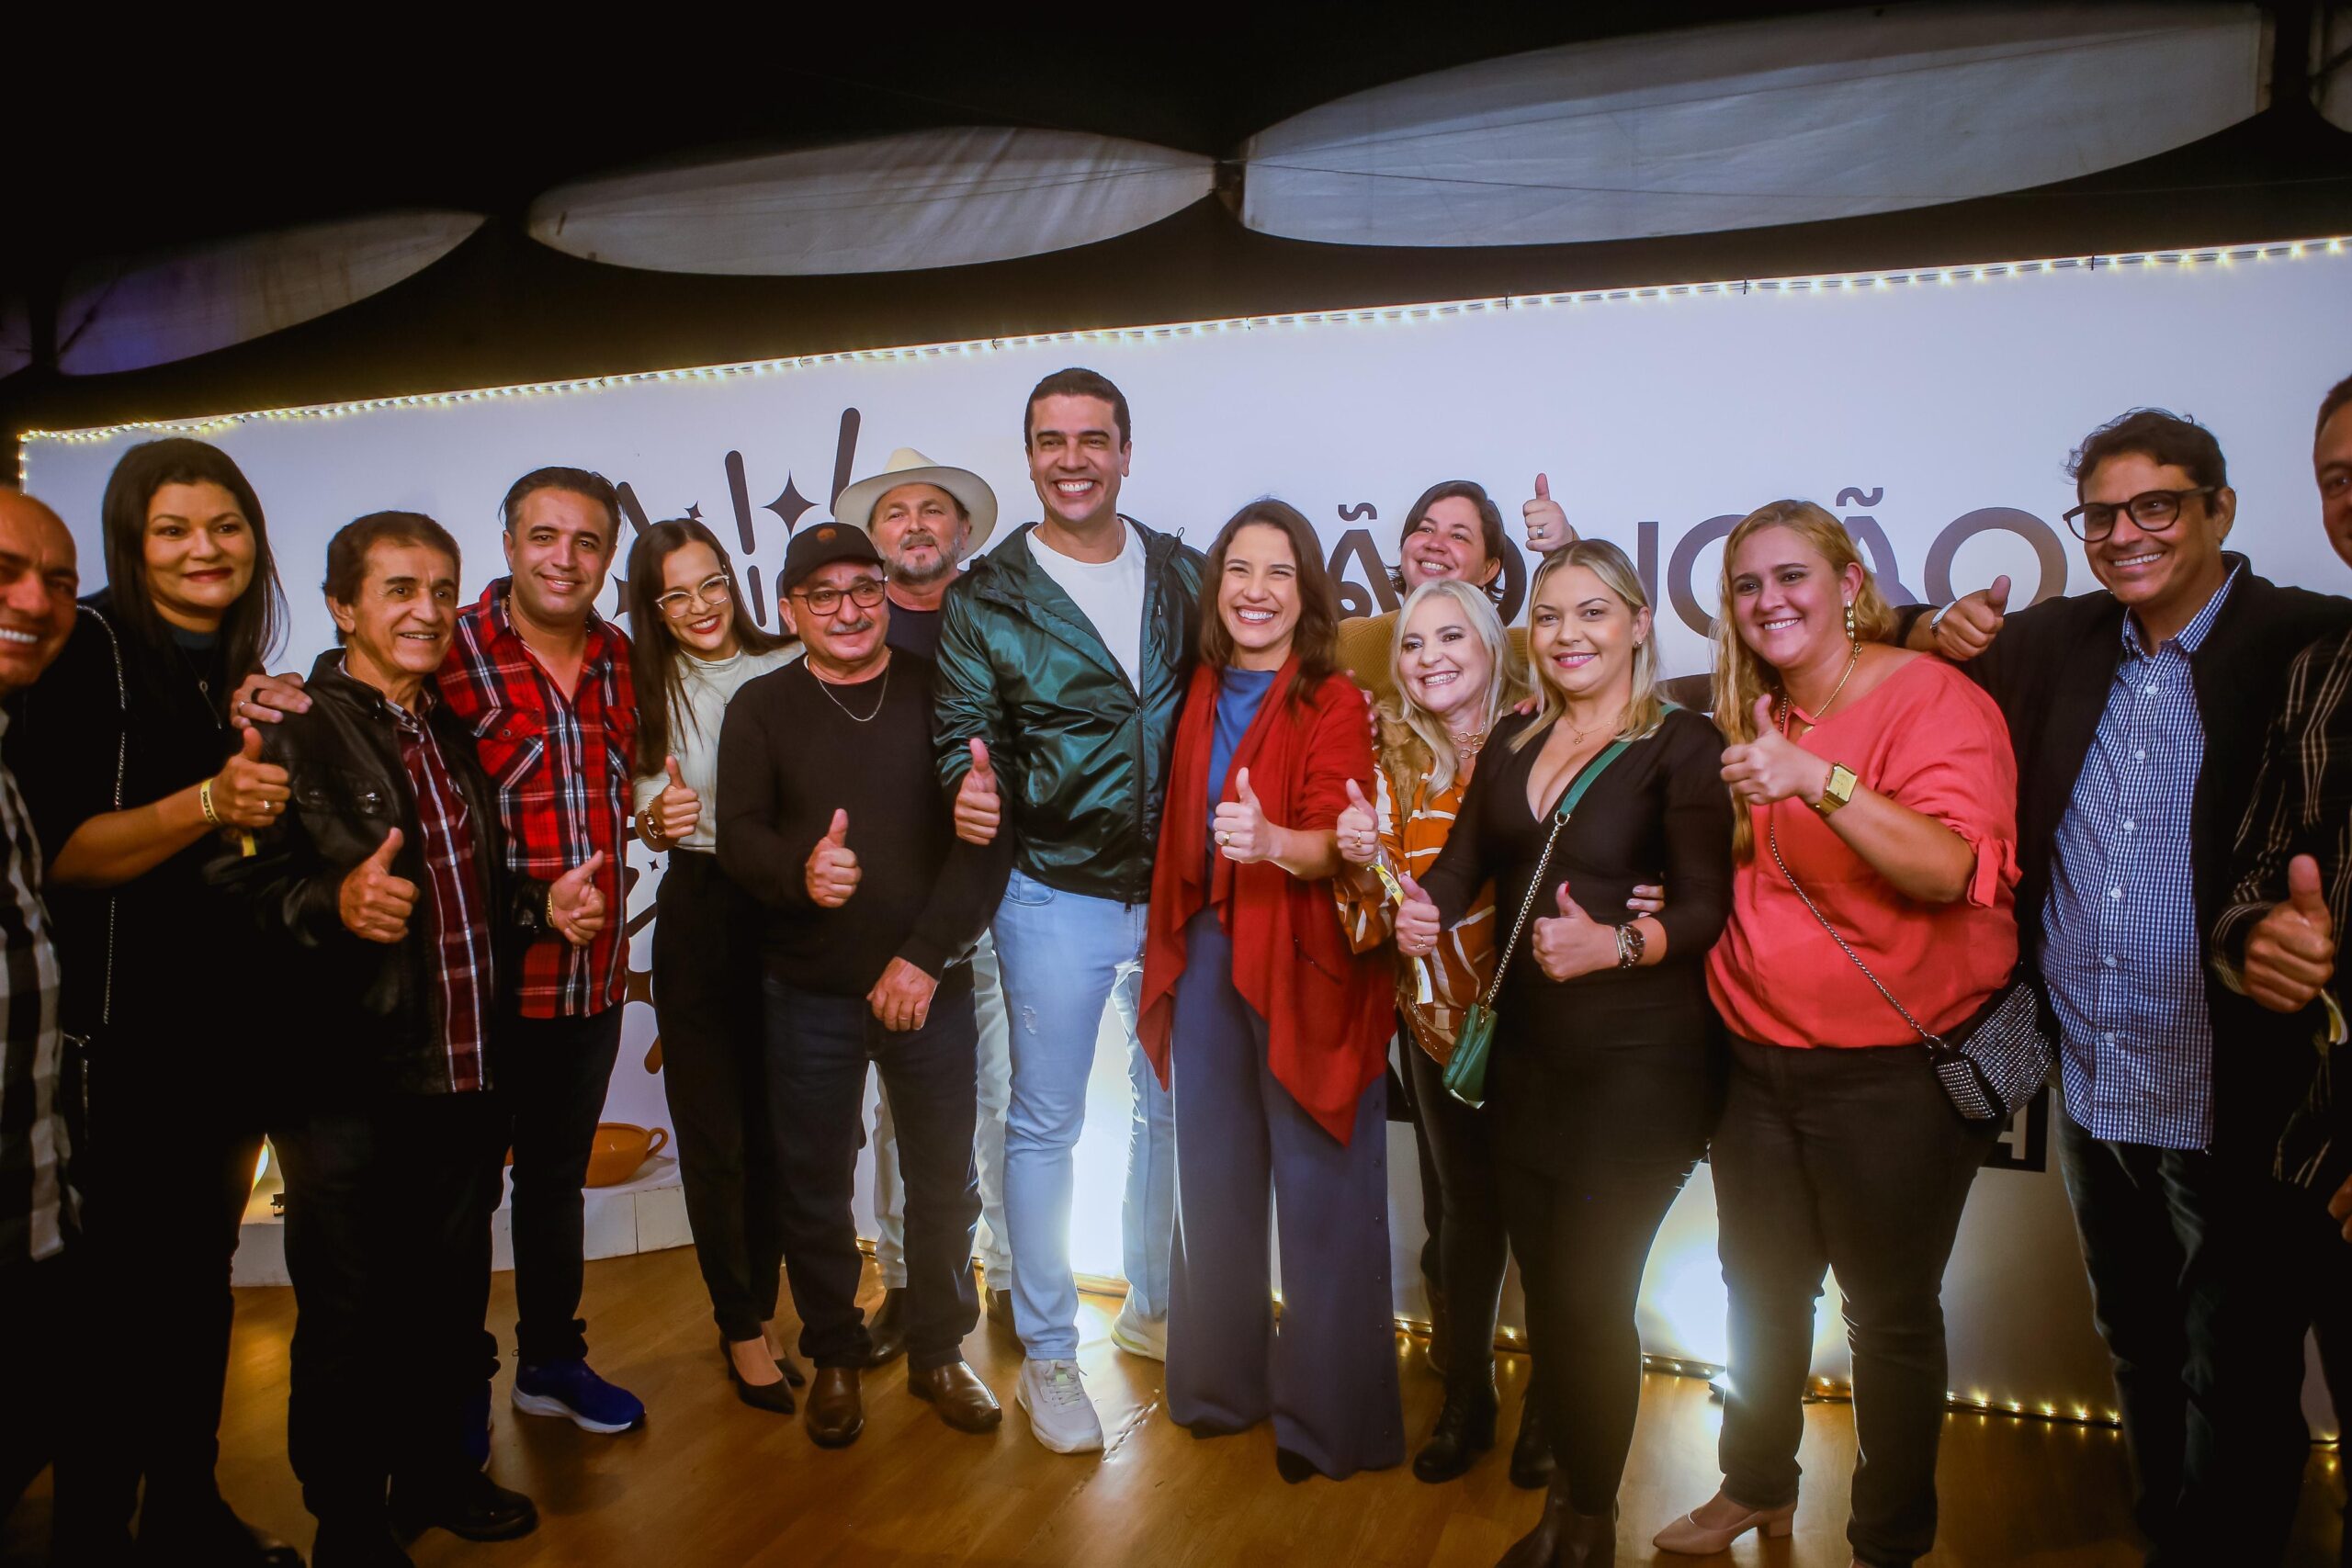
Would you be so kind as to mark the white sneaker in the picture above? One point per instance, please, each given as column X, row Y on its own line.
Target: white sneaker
column 1060, row 1415
column 1138, row 1335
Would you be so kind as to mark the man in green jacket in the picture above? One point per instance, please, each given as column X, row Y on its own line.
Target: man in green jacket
column 1063, row 656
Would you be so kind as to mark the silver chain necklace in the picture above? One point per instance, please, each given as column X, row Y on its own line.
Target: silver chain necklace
column 883, row 697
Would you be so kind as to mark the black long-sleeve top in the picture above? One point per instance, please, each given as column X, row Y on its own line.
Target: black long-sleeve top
column 790, row 754
column 1616, row 1060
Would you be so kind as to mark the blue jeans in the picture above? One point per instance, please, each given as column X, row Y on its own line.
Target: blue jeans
column 1063, row 955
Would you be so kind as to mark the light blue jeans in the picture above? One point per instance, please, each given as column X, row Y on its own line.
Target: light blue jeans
column 1063, row 955
column 988, row 1145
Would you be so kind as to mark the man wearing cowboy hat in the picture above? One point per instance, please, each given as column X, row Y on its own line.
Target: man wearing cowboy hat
column 924, row 519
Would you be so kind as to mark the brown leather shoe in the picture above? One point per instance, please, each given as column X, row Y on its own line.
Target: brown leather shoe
column 836, row 1411
column 963, row 1400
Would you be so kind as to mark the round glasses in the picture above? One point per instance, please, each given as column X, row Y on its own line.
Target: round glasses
column 2154, row 511
column 711, row 591
column 865, row 592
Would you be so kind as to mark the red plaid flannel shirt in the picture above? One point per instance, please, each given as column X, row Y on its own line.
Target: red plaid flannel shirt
column 562, row 765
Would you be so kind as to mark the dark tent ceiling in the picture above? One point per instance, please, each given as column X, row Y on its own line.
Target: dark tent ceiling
column 232, row 135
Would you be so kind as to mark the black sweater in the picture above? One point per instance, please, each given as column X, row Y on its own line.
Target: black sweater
column 789, row 755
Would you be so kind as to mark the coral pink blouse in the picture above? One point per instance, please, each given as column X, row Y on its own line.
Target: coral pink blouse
column 1929, row 739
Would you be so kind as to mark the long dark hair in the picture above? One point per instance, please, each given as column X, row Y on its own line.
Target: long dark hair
column 254, row 624
column 1316, row 639
column 655, row 653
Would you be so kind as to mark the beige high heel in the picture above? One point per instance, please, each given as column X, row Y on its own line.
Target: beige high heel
column 1691, row 1539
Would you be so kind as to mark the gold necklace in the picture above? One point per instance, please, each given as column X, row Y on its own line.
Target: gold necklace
column 1788, row 702
column 880, row 697
column 1466, row 745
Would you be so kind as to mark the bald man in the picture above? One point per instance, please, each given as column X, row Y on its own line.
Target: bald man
column 38, row 582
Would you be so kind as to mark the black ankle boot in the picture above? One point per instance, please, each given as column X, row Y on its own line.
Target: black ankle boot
column 1531, row 1454
column 1441, row 1332
column 1590, row 1541
column 1465, row 1429
column 1543, row 1546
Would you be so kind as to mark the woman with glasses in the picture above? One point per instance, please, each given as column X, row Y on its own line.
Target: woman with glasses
column 695, row 647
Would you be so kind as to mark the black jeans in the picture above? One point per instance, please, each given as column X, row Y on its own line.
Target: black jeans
column 1850, row 1159
column 713, row 1071
column 164, row 1168
column 1406, row 1093
column 1473, row 1250
column 2202, row 1289
column 387, row 1212
column 552, row 1075
column 819, row 1046
column 43, row 1352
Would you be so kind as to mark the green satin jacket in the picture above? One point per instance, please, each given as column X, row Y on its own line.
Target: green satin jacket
column 1081, row 756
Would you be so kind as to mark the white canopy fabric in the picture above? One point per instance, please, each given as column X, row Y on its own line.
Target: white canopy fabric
column 927, row 199
column 1795, row 119
column 128, row 315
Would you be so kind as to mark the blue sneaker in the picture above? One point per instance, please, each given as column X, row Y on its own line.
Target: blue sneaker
column 570, row 1390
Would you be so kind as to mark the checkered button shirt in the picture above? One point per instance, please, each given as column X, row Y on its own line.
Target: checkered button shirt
column 2122, row 952
column 36, row 1205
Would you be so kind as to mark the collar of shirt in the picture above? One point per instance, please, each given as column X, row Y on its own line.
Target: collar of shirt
column 2191, row 636
column 594, row 660
column 428, row 695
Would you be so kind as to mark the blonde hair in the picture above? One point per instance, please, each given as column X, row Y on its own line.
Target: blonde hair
column 1412, row 734
column 1645, row 711
column 1741, row 676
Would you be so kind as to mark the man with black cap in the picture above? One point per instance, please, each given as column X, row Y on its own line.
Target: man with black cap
column 831, row 815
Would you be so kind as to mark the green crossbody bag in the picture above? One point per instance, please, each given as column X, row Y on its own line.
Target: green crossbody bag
column 1465, row 1070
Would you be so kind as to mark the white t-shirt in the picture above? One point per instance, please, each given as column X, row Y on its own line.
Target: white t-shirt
column 710, row 685
column 1111, row 596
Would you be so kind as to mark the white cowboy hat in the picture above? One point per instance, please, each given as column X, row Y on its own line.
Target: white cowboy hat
column 909, row 467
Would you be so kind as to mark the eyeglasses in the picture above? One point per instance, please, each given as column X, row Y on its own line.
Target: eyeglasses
column 712, row 592
column 2153, row 510
column 865, row 592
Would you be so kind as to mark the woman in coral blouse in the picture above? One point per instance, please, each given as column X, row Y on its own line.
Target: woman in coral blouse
column 1271, row 1032
column 1882, row 784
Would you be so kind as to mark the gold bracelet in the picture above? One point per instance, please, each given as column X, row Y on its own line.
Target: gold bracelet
column 204, row 799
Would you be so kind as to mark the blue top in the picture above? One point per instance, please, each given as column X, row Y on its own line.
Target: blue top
column 2120, row 947
column 1238, row 700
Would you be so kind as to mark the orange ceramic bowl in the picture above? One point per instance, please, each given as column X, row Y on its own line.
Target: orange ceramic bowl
column 620, row 1149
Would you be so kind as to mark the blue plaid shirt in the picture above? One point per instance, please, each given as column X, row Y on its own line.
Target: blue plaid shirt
column 2120, row 948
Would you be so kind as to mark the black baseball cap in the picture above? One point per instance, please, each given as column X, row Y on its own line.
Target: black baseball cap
column 821, row 546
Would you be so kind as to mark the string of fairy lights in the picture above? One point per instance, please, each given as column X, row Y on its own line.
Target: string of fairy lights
column 1975, row 273
column 2181, row 262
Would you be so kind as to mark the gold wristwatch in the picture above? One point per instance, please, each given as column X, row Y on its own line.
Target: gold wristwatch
column 1837, row 791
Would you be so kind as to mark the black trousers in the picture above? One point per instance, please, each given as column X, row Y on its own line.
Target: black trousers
column 166, row 1169
column 714, row 1070
column 1457, row 1142
column 2326, row 1269
column 388, row 1213
column 2201, row 1272
column 819, row 1048
column 41, row 1362
column 1406, row 1092
column 552, row 1074
column 1850, row 1159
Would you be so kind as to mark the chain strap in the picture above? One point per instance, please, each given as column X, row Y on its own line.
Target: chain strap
column 1772, row 838
column 1526, row 906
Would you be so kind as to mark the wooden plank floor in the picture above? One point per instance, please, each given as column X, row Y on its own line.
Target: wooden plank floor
column 712, row 1483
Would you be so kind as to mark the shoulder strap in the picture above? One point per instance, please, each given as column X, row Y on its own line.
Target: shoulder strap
column 1560, row 813
column 1773, row 837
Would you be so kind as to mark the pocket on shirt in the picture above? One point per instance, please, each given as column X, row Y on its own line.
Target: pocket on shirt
column 510, row 744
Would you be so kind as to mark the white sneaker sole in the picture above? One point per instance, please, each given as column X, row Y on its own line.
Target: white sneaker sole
column 541, row 1405
column 1136, row 1344
column 1084, row 1445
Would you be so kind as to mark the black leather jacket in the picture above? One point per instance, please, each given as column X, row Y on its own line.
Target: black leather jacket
column 366, row 1017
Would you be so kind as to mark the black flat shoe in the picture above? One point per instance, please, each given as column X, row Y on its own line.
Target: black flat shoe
column 1465, row 1429
column 886, row 1332
column 773, row 1397
column 358, row 1543
column 1294, row 1468
column 472, row 1507
column 1531, row 1455
column 214, row 1536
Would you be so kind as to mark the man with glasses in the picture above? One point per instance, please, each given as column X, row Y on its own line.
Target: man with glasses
column 2137, row 714
column 832, row 816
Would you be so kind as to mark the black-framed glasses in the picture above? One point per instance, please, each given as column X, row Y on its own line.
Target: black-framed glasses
column 2151, row 510
column 865, row 592
column 712, row 592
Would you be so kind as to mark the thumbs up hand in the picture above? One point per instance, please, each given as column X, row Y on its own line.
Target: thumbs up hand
column 1547, row 523
column 831, row 874
column 979, row 810
column 1772, row 767
column 1359, row 829
column 1971, row 623
column 576, row 905
column 1417, row 927
column 374, row 904
column 1572, row 942
column 1243, row 835
column 2291, row 954
column 248, row 792
column 677, row 810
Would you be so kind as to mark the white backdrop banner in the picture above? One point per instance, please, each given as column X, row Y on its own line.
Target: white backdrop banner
column 1932, row 409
